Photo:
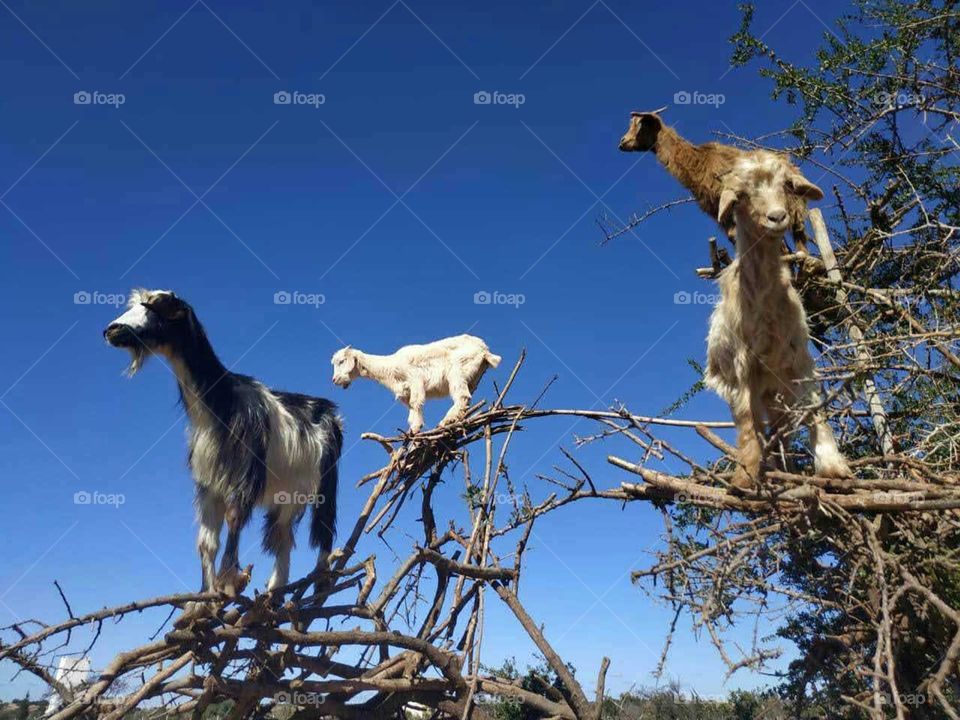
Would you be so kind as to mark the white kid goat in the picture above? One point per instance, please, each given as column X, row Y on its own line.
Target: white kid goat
column 451, row 367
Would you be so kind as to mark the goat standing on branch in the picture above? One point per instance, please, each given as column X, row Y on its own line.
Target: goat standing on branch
column 701, row 169
column 450, row 367
column 757, row 355
column 249, row 444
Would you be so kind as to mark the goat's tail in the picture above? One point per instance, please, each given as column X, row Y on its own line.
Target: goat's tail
column 491, row 359
column 323, row 522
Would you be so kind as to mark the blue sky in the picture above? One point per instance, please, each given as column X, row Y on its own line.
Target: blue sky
column 398, row 199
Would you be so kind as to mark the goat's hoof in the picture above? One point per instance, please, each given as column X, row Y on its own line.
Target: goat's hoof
column 257, row 614
column 227, row 582
column 232, row 581
column 743, row 481
column 839, row 471
column 193, row 611
column 323, row 582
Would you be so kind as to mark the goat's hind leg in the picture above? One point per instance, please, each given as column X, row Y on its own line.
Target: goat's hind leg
column 278, row 541
column 828, row 461
column 460, row 392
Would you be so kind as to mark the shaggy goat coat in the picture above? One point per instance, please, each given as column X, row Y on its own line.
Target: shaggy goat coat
column 757, row 350
column 248, row 445
column 451, row 367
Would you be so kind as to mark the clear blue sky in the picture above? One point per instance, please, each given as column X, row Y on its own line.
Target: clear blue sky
column 398, row 199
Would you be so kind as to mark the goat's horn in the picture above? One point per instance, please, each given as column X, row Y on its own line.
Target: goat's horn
column 635, row 113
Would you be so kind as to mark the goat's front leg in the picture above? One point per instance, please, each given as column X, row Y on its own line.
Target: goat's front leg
column 229, row 580
column 210, row 512
column 460, row 392
column 415, row 403
column 749, row 424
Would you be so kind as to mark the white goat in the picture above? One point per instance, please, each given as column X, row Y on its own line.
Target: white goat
column 415, row 373
column 757, row 354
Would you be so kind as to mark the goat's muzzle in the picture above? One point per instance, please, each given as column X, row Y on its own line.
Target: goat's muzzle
column 119, row 335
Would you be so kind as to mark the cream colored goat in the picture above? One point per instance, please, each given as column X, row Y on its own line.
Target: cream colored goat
column 415, row 373
column 757, row 354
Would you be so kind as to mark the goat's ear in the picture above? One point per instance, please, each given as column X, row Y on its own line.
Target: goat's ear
column 649, row 121
column 168, row 306
column 799, row 185
column 728, row 199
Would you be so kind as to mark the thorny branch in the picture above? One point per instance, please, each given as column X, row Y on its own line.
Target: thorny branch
column 374, row 657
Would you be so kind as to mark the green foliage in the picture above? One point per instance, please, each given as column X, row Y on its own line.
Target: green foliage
column 670, row 704
column 539, row 679
column 687, row 396
column 22, row 709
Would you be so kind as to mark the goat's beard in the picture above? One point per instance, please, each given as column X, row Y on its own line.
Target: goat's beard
column 138, row 356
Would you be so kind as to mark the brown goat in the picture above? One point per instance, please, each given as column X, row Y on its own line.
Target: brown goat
column 700, row 168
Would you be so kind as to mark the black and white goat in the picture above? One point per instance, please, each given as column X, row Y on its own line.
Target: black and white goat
column 249, row 445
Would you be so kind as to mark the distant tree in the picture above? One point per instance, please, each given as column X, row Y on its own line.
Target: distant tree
column 538, row 678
